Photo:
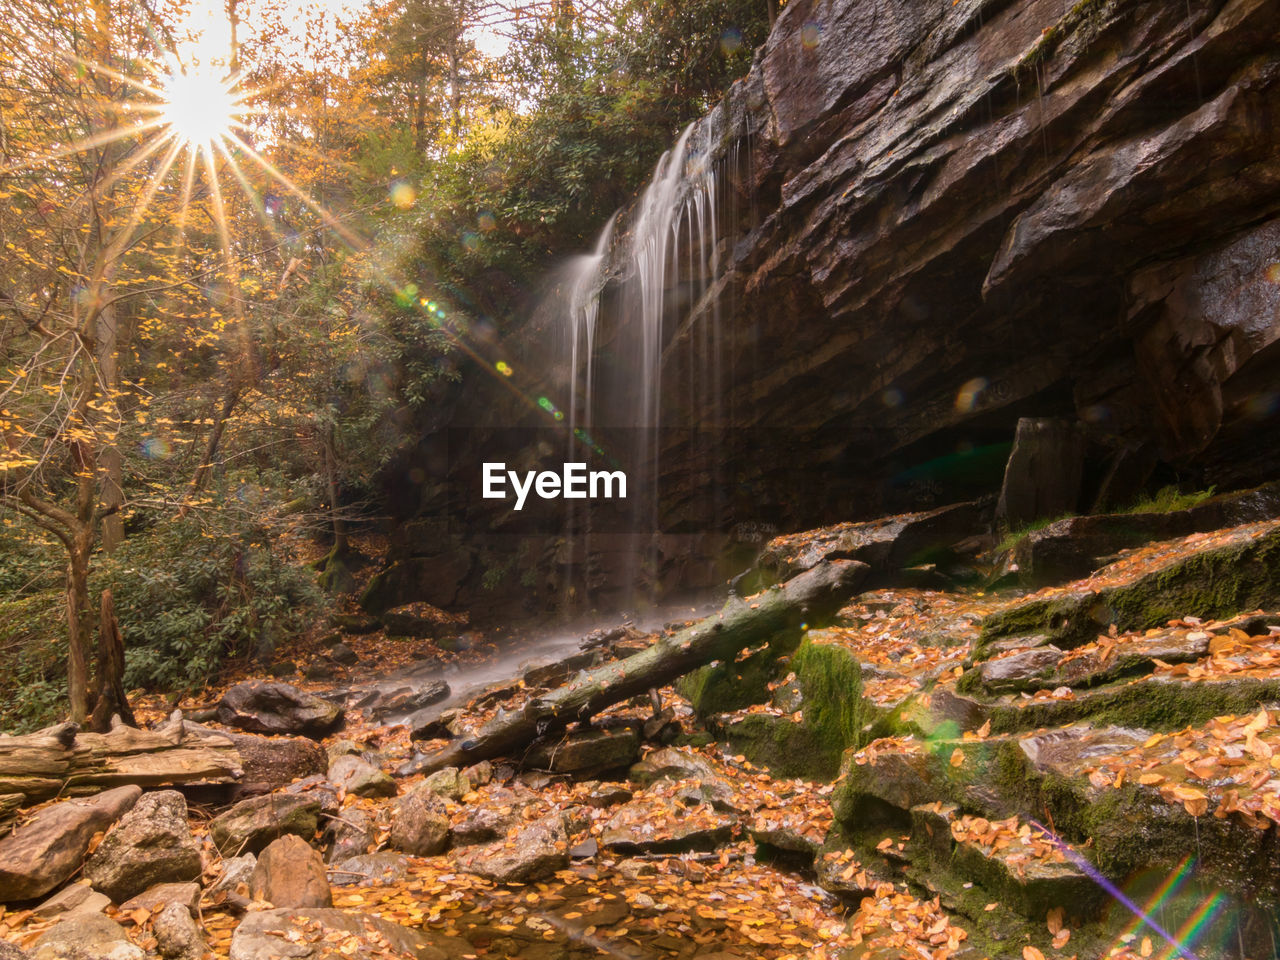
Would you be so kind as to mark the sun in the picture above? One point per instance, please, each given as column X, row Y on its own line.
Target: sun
column 198, row 107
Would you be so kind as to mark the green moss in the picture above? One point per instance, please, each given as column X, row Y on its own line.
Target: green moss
column 737, row 684
column 1150, row 704
column 1016, row 536
column 831, row 682
column 1085, row 18
column 1170, row 500
column 1216, row 583
column 784, row 747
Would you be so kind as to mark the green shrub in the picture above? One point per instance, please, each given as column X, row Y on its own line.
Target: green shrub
column 193, row 593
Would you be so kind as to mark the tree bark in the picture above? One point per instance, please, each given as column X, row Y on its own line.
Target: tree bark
column 110, row 463
column 808, row 599
column 77, row 634
column 112, row 700
column 62, row 761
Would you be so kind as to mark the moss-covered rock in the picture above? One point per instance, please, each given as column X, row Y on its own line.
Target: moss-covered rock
column 736, row 685
column 786, row 747
column 1216, row 583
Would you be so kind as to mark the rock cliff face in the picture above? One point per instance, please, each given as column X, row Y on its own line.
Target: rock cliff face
column 938, row 218
column 973, row 212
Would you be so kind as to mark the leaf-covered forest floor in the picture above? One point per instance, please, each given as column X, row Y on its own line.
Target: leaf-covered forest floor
column 1000, row 788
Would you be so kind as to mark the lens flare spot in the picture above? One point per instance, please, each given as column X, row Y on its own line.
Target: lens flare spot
column 811, row 35
column 155, row 448
column 1262, row 406
column 1272, row 273
column 402, row 194
column 730, row 41
column 891, row 398
column 471, row 241
column 504, row 368
column 486, row 222
column 970, row 393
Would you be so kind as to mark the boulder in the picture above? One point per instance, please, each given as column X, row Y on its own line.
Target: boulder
column 318, row 788
column 9, row 951
column 343, row 654
column 89, row 936
column 434, row 580
column 420, row 823
column 151, row 844
column 673, row 763
column 260, row 706
column 1043, row 476
column 449, row 783
column 235, row 871
column 1072, row 548
column 587, row 752
column 403, row 699
column 652, row 825
column 349, row 835
column 361, row 778
column 154, row 898
column 177, row 935
column 274, row 762
column 355, row 623
column 1241, row 564
column 290, row 874
column 531, row 854
column 325, row 934
column 491, row 819
column 76, row 897
column 1020, row 671
column 371, row 868
column 407, row 621
column 889, row 545
column 252, row 824
column 433, row 723
column 42, row 853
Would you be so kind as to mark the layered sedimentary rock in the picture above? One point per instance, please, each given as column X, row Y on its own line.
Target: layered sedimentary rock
column 930, row 221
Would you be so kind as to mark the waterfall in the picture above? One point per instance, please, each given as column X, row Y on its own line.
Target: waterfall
column 663, row 261
column 648, row 280
column 583, row 275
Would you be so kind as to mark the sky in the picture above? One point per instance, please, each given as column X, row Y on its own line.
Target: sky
column 207, row 20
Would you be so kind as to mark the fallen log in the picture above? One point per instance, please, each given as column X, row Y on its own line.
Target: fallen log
column 63, row 761
column 811, row 597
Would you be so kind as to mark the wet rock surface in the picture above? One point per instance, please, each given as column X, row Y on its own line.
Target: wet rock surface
column 259, row 706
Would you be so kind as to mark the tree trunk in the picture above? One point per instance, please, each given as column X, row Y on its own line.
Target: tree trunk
column 78, row 627
column 807, row 599
column 329, row 443
column 455, row 81
column 205, row 468
column 62, row 761
column 110, row 463
column 112, row 699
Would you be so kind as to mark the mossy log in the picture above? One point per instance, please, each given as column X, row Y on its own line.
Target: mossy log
column 63, row 761
column 811, row 597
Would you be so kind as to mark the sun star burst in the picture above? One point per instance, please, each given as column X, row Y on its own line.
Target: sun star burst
column 198, row 107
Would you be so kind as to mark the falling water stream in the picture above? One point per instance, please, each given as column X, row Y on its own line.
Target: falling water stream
column 652, row 267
